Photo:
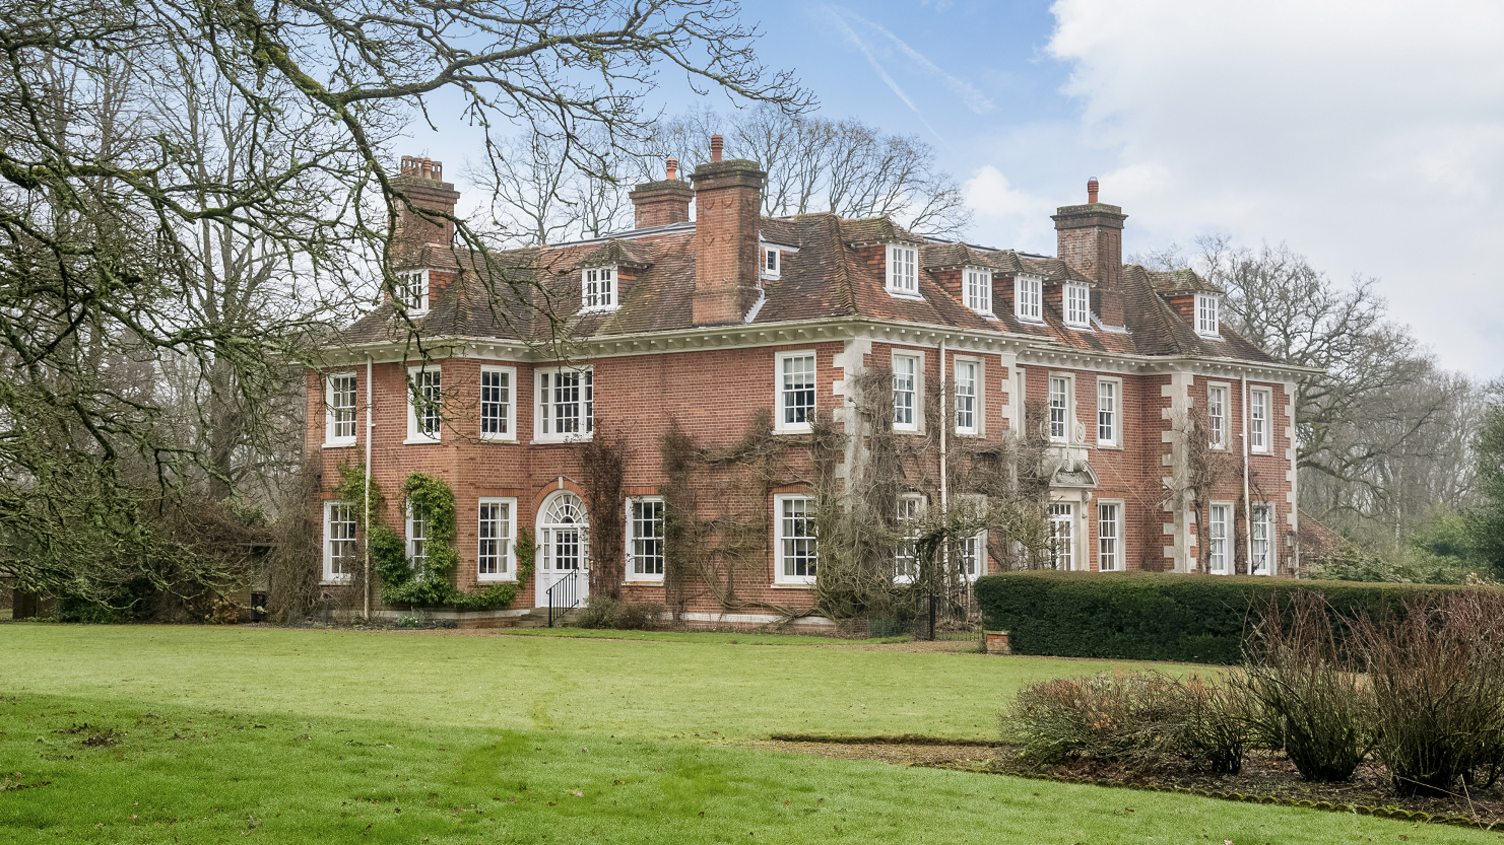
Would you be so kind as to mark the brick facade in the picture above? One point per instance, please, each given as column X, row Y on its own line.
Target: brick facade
column 696, row 340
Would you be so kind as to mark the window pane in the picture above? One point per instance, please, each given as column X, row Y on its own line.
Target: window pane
column 966, row 397
column 797, row 526
column 647, row 537
column 1062, row 528
column 1216, row 416
column 1058, row 408
column 798, row 389
column 1108, row 550
column 904, row 369
column 495, row 402
column 1217, row 538
column 1107, row 413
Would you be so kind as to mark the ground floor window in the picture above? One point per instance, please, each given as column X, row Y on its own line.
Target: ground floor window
column 1062, row 535
column 1259, row 529
column 494, row 529
column 645, row 539
column 1110, row 536
column 905, row 556
column 417, row 536
column 339, row 541
column 1218, row 518
column 796, row 544
column 973, row 553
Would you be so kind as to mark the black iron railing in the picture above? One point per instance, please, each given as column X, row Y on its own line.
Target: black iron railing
column 563, row 595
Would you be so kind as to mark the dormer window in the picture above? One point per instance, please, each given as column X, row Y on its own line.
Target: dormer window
column 772, row 262
column 598, row 289
column 1077, row 306
column 412, row 291
column 903, row 270
column 1206, row 315
column 979, row 290
column 1026, row 298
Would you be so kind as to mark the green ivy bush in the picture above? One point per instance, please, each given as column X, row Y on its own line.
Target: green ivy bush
column 615, row 614
column 1158, row 616
column 433, row 584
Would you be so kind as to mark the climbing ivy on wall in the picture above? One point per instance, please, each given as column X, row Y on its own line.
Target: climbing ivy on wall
column 432, row 585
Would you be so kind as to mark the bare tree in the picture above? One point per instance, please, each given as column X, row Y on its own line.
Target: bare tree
column 134, row 236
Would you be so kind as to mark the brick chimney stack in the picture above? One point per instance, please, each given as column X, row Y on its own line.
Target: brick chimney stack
column 1090, row 239
column 661, row 203
column 728, row 202
column 422, row 181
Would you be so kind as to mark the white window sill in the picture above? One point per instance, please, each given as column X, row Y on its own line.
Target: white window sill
column 904, row 295
column 793, row 585
column 1113, row 447
column 1080, row 328
column 343, row 582
column 794, row 430
column 422, row 441
column 643, row 581
column 598, row 310
column 498, row 439
column 504, row 578
column 342, row 444
column 985, row 315
column 1217, row 336
column 968, row 433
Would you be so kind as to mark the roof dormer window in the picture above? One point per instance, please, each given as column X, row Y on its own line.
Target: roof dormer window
column 598, row 289
column 1026, row 294
column 1206, row 315
column 979, row 290
column 1077, row 306
column 772, row 262
column 412, row 292
column 903, row 270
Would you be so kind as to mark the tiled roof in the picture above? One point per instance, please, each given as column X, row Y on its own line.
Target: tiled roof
column 534, row 294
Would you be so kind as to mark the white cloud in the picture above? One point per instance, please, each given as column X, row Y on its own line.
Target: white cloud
column 1002, row 208
column 1367, row 135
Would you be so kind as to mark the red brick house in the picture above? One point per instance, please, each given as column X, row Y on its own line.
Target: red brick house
column 704, row 326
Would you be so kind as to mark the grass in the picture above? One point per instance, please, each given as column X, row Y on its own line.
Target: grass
column 218, row 735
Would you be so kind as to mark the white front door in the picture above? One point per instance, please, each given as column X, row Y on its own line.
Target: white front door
column 563, row 550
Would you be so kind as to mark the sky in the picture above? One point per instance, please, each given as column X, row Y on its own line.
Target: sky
column 1368, row 136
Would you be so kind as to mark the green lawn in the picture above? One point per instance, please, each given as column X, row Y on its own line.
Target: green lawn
column 229, row 734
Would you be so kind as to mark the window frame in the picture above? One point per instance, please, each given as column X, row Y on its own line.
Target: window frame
column 1260, row 431
column 1069, row 305
column 1208, row 317
column 771, row 264
column 1028, row 298
column 416, row 521
column 902, row 257
column 631, row 556
column 1115, row 441
column 331, row 410
column 780, row 390
column 1271, row 555
column 977, row 406
column 1217, row 431
column 911, row 507
column 329, row 575
column 1068, row 409
column 508, row 420
column 1219, row 546
column 606, row 295
column 1117, row 554
column 506, row 557
column 915, row 391
column 409, row 282
column 416, row 433
column 972, row 549
column 976, row 286
column 584, row 402
column 780, row 560
column 1069, row 556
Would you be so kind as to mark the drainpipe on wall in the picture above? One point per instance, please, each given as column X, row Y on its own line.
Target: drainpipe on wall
column 944, row 482
column 1247, row 503
column 366, row 491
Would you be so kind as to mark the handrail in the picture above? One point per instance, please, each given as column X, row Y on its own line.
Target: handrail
column 568, row 588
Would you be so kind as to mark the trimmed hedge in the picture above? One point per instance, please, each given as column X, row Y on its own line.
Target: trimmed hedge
column 1152, row 615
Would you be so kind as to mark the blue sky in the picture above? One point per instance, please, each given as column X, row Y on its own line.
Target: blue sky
column 1369, row 136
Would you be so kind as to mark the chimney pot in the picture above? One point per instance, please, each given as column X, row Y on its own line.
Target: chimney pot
column 1091, row 190
column 716, row 143
column 673, row 168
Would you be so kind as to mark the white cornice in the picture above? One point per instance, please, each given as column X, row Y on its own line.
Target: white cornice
column 1031, row 350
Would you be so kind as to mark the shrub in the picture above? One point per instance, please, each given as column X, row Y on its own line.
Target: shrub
column 606, row 612
column 1156, row 616
column 1310, row 704
column 1144, row 719
column 1438, row 683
